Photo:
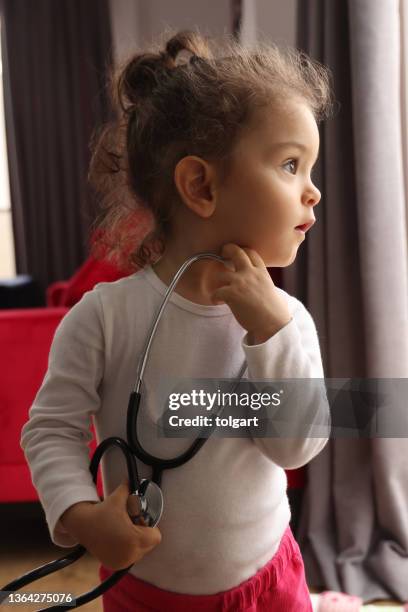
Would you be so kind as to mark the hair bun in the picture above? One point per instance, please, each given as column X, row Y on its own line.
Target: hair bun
column 143, row 72
column 189, row 42
column 142, row 75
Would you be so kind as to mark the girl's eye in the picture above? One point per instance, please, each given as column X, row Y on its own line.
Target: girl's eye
column 294, row 165
column 293, row 162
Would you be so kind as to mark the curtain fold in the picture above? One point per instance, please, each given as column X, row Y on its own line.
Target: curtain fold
column 352, row 275
column 55, row 57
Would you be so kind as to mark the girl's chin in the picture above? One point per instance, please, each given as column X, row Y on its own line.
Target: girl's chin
column 280, row 261
column 281, row 258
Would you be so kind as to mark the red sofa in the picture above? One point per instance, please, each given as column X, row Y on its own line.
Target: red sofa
column 25, row 338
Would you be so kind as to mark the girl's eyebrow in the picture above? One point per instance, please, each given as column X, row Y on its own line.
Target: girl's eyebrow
column 293, row 143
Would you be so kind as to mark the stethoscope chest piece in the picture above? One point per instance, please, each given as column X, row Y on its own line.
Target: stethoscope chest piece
column 145, row 506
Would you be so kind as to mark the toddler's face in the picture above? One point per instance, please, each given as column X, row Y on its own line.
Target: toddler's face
column 270, row 190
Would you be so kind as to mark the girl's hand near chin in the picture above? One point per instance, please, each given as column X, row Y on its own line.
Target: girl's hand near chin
column 251, row 294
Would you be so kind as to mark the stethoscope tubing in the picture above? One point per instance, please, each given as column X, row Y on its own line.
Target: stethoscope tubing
column 79, row 551
column 169, row 291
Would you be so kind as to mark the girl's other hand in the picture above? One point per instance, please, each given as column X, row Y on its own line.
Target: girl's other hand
column 107, row 532
column 251, row 294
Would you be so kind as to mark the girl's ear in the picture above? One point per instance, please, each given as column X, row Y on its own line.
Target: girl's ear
column 195, row 181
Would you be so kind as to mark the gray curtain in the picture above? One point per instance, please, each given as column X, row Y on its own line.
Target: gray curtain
column 351, row 273
column 55, row 56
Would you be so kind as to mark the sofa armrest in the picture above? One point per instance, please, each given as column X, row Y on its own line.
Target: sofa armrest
column 55, row 293
column 25, row 338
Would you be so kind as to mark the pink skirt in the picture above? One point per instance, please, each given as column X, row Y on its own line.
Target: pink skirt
column 279, row 586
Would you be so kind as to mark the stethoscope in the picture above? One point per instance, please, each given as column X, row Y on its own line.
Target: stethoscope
column 145, row 501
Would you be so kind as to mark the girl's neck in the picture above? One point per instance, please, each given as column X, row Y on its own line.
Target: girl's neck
column 197, row 283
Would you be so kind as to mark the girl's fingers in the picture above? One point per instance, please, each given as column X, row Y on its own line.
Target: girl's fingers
column 218, row 297
column 148, row 536
column 255, row 258
column 238, row 256
column 225, row 277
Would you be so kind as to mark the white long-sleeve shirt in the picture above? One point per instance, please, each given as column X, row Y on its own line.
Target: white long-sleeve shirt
column 225, row 511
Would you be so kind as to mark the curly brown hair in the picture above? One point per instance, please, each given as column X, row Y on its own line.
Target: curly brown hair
column 166, row 109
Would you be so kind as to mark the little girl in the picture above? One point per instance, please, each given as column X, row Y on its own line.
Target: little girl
column 219, row 151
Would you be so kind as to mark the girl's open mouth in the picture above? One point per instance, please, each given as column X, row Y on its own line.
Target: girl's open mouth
column 306, row 226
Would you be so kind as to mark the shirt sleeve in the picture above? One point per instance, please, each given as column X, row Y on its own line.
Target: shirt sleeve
column 56, row 436
column 293, row 353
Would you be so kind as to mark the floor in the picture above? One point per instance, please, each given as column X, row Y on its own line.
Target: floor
column 25, row 545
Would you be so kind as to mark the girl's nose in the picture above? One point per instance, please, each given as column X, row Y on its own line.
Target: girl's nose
column 312, row 196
